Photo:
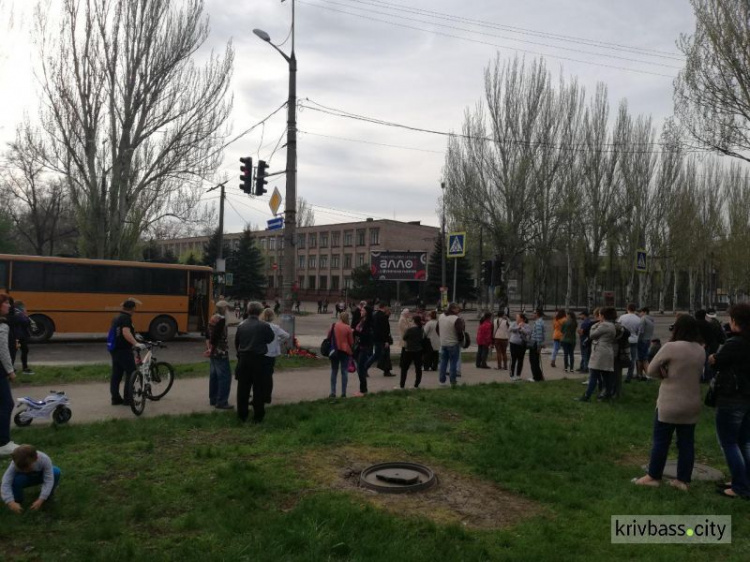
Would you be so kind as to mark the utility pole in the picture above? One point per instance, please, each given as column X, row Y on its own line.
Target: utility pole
column 219, row 266
column 443, row 245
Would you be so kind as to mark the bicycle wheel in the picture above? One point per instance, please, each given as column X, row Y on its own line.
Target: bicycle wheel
column 162, row 378
column 137, row 393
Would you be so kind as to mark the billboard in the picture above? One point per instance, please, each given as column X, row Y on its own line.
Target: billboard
column 398, row 266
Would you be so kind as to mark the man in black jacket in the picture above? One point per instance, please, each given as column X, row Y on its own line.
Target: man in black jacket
column 253, row 368
column 381, row 336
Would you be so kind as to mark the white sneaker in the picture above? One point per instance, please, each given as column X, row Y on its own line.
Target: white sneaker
column 8, row 448
column 443, row 384
column 530, row 379
column 398, row 388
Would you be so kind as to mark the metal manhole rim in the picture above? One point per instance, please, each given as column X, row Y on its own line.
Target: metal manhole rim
column 429, row 481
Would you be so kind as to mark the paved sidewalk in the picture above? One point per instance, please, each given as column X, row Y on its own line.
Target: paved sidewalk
column 90, row 401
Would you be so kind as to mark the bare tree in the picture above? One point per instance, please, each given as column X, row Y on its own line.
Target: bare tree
column 598, row 164
column 712, row 92
column 305, row 213
column 37, row 204
column 132, row 124
column 636, row 164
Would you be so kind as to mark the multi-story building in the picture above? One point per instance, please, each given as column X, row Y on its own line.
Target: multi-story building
column 326, row 254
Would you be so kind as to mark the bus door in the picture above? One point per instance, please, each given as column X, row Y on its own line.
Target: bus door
column 198, row 302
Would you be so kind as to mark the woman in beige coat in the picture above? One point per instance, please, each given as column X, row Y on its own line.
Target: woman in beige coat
column 602, row 360
column 679, row 363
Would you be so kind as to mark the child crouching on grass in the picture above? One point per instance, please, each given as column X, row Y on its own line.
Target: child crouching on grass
column 29, row 467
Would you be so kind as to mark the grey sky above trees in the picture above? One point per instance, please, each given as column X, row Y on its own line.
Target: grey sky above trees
column 400, row 74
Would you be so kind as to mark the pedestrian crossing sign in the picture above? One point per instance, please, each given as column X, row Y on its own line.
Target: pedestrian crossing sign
column 456, row 244
column 641, row 261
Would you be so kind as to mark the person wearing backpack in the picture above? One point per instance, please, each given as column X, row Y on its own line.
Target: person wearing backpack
column 602, row 361
column 622, row 349
column 501, row 333
column 120, row 343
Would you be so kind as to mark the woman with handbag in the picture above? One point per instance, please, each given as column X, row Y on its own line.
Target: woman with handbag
column 679, row 365
column 343, row 335
column 732, row 363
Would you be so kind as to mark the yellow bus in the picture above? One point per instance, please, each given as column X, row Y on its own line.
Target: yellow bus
column 68, row 295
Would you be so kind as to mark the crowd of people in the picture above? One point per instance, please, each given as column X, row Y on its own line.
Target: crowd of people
column 613, row 350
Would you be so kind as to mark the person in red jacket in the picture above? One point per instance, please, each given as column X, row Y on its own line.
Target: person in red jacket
column 484, row 340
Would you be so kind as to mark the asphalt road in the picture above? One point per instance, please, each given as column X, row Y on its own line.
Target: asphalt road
column 80, row 349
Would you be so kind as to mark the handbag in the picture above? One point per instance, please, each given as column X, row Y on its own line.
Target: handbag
column 352, row 367
column 328, row 345
column 466, row 341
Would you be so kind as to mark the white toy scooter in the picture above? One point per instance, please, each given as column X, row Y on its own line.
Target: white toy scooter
column 55, row 404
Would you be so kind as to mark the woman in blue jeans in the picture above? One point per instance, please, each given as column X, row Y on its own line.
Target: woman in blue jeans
column 343, row 336
column 679, row 365
column 732, row 364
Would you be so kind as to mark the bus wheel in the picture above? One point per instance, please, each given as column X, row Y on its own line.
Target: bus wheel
column 42, row 328
column 162, row 328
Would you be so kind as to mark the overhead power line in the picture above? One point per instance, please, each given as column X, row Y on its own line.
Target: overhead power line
column 610, row 147
column 476, row 32
column 481, row 42
column 526, row 31
column 372, row 143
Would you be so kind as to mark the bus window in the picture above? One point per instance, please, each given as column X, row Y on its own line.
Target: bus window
column 3, row 274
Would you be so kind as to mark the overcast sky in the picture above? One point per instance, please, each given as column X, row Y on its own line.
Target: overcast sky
column 394, row 60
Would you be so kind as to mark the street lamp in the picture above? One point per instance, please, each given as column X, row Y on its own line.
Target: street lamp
column 290, row 209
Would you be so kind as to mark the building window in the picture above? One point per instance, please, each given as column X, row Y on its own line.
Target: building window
column 348, row 282
column 335, row 262
column 374, row 236
column 301, row 240
column 335, row 282
column 313, row 240
column 270, row 281
column 311, row 282
column 323, row 262
column 280, row 244
column 301, row 282
column 347, row 261
column 360, row 259
column 335, row 240
column 301, row 263
column 324, row 240
column 311, row 262
column 272, row 243
column 323, row 285
column 263, row 244
column 348, row 238
column 361, row 237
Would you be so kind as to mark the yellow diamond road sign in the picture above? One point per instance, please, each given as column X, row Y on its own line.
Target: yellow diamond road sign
column 275, row 201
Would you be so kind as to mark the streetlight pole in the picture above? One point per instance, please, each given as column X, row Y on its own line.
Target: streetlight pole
column 288, row 272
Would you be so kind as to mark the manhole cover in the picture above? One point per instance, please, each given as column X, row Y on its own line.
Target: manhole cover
column 700, row 471
column 397, row 477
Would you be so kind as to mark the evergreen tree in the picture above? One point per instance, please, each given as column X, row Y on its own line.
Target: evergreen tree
column 211, row 249
column 248, row 269
column 465, row 282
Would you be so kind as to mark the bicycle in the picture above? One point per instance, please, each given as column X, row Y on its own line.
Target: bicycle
column 151, row 380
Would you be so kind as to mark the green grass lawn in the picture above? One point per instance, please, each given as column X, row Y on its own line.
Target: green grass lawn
column 202, row 487
column 46, row 376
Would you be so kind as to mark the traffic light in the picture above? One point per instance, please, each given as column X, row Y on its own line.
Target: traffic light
column 487, row 273
column 247, row 175
column 260, row 178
